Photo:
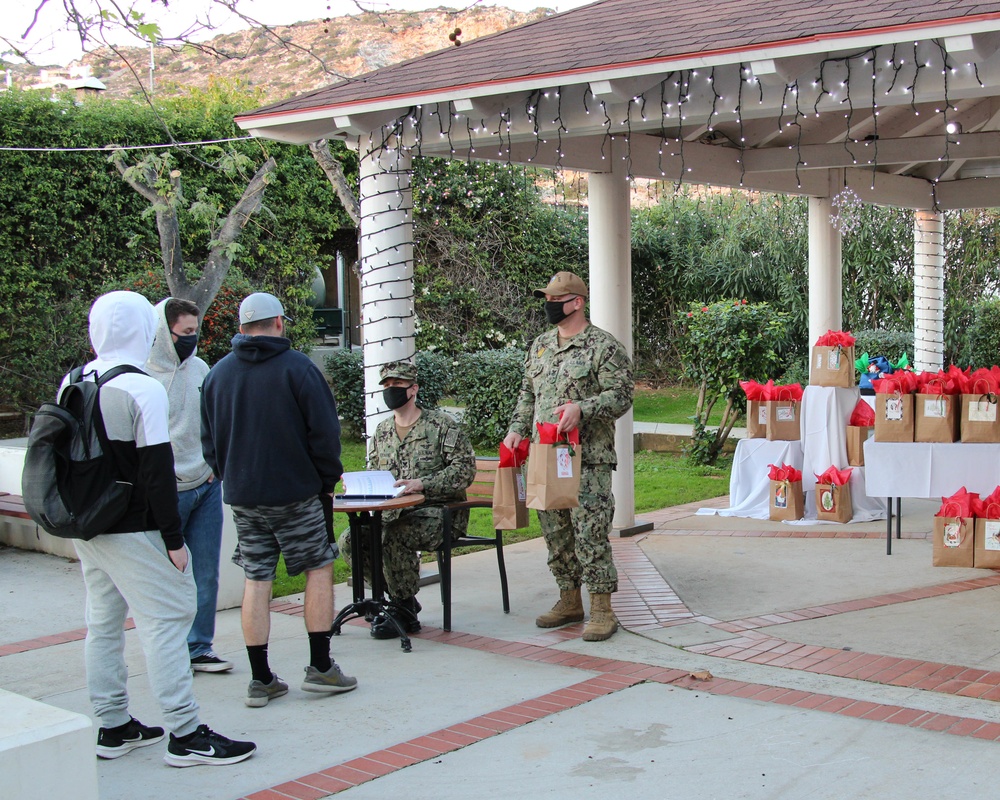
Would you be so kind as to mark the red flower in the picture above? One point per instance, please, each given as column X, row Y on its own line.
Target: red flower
column 704, row 308
column 690, row 313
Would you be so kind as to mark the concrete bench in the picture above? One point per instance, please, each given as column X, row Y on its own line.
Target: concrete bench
column 45, row 752
column 12, row 505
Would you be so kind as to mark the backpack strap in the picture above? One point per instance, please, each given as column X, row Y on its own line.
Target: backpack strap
column 98, row 418
column 114, row 372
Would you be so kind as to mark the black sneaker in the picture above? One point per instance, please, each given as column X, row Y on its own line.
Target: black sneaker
column 205, row 746
column 210, row 662
column 116, row 742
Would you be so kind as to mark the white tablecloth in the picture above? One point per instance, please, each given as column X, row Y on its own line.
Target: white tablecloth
column 749, row 486
column 825, row 414
column 917, row 469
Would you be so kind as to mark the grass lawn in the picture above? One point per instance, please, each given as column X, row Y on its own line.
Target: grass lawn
column 673, row 404
column 661, row 480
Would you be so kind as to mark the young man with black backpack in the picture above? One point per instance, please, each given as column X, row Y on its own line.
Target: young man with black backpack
column 141, row 564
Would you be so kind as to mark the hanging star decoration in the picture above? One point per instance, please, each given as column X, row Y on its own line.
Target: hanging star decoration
column 846, row 216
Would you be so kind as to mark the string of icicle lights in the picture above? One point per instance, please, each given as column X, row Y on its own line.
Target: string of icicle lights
column 646, row 133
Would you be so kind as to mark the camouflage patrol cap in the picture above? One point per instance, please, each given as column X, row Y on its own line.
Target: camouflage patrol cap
column 564, row 283
column 403, row 370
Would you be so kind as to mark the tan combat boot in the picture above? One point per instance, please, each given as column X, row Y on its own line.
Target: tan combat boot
column 602, row 619
column 568, row 608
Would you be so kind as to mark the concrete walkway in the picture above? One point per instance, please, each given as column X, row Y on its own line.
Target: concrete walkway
column 759, row 661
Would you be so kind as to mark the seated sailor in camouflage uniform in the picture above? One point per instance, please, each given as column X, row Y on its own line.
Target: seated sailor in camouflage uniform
column 429, row 454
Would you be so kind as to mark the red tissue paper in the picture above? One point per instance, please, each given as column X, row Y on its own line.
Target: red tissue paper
column 987, row 507
column 958, row 505
column 547, row 434
column 782, row 391
column 903, row 382
column 834, row 338
column 940, row 382
column 863, row 415
column 838, row 477
column 516, row 457
column 756, row 391
column 983, row 381
column 785, row 472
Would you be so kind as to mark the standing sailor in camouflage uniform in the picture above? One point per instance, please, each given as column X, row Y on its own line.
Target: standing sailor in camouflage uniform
column 429, row 453
column 578, row 376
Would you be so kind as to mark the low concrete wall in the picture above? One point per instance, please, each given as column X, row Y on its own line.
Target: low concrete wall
column 45, row 752
column 672, row 443
column 24, row 534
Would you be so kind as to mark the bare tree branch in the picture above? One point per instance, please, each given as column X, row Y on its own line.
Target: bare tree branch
column 335, row 173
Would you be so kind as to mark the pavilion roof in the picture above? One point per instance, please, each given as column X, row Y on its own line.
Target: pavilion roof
column 627, row 34
column 797, row 96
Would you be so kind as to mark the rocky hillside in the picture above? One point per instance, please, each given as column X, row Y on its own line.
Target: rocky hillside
column 297, row 58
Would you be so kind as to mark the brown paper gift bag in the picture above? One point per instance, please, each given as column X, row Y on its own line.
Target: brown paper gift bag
column 954, row 542
column 832, row 366
column 783, row 420
column 986, row 547
column 756, row 419
column 510, row 512
column 856, row 437
column 893, row 417
column 935, row 418
column 833, row 503
column 553, row 476
column 786, row 500
column 980, row 421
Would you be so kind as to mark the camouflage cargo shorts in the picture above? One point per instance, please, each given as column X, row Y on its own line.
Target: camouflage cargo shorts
column 296, row 531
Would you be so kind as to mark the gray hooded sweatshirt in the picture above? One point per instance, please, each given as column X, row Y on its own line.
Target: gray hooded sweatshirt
column 183, row 381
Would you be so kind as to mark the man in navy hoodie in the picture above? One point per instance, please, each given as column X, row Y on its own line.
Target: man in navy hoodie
column 141, row 564
column 270, row 432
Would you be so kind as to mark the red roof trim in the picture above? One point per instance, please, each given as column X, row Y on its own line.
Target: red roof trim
column 580, row 70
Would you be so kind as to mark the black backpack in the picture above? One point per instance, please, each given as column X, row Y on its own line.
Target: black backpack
column 70, row 484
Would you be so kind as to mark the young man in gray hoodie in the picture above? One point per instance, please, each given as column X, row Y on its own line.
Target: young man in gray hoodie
column 174, row 362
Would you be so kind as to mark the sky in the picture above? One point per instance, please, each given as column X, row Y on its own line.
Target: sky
column 50, row 43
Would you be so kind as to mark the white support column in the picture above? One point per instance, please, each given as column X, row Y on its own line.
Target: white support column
column 928, row 291
column 826, row 299
column 386, row 246
column 611, row 308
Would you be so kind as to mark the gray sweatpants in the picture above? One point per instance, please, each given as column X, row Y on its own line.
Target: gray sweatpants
column 124, row 571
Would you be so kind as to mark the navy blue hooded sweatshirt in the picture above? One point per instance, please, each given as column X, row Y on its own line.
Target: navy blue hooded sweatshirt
column 269, row 426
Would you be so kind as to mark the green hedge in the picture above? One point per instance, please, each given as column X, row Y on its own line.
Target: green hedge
column 984, row 335
column 71, row 226
column 346, row 374
column 434, row 377
column 487, row 383
column 891, row 344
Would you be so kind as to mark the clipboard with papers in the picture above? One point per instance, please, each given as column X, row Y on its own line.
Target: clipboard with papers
column 369, row 485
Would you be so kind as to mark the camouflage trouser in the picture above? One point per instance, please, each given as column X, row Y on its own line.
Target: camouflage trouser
column 577, row 538
column 418, row 529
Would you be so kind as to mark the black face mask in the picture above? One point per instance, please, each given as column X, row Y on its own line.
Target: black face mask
column 395, row 396
column 554, row 311
column 185, row 345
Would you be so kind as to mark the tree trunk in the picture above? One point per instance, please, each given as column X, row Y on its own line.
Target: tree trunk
column 335, row 174
column 220, row 257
